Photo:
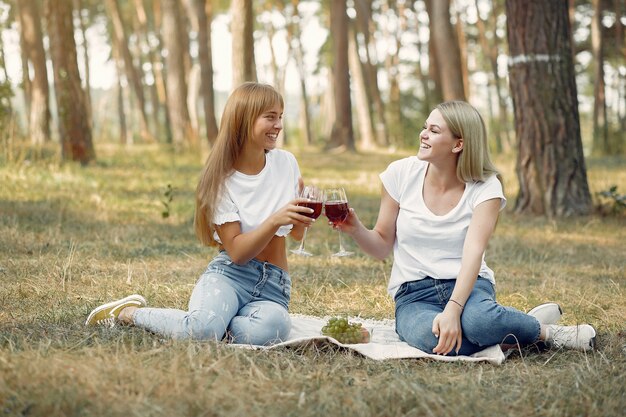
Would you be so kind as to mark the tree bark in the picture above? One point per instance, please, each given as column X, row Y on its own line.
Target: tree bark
column 204, row 12
column 159, row 69
column 305, row 119
column 182, row 134
column 392, row 63
column 433, row 65
column 133, row 76
column 242, row 30
column 620, row 9
column 600, row 126
column 364, row 119
column 462, row 42
column 74, row 129
column 144, row 44
column 39, row 93
column 370, row 72
column 446, row 49
column 342, row 133
column 550, row 165
column 83, row 31
column 125, row 138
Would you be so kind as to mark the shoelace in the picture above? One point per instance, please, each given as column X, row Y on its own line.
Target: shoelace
column 109, row 322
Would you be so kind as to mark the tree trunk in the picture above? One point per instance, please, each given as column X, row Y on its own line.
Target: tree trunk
column 305, row 119
column 364, row 119
column 83, row 31
column 279, row 71
column 132, row 75
column 159, row 65
column 392, row 63
column 182, row 135
column 550, row 165
column 342, row 133
column 204, row 12
column 620, row 9
column 420, row 74
column 141, row 25
column 242, row 29
column 600, row 126
column 370, row 72
column 125, row 139
column 25, row 73
column 446, row 49
column 433, row 65
column 39, row 94
column 462, row 42
column 74, row 129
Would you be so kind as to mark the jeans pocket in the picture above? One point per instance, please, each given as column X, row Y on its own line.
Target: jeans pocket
column 401, row 291
column 219, row 263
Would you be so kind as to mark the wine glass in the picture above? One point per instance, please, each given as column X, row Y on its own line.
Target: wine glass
column 314, row 201
column 336, row 209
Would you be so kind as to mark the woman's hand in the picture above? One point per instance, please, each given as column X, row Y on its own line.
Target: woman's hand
column 292, row 213
column 447, row 328
column 350, row 224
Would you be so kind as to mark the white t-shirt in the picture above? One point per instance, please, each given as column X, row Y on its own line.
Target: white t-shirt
column 428, row 245
column 250, row 199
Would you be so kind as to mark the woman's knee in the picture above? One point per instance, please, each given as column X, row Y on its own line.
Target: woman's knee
column 416, row 331
column 261, row 324
column 202, row 326
column 481, row 321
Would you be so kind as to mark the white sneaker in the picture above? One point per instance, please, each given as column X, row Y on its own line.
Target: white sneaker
column 581, row 337
column 106, row 314
column 547, row 313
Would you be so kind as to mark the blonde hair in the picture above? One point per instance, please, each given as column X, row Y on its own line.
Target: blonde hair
column 464, row 121
column 246, row 103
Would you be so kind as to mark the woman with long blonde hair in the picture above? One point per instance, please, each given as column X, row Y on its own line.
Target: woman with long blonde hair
column 246, row 204
column 438, row 211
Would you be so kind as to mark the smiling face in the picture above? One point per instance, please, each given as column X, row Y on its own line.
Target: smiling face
column 436, row 139
column 267, row 127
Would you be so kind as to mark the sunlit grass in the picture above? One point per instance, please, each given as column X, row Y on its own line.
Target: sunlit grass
column 72, row 237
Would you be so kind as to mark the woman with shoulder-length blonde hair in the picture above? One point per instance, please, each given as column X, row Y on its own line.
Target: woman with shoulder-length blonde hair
column 246, row 204
column 437, row 213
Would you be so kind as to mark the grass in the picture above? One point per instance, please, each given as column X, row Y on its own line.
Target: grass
column 72, row 238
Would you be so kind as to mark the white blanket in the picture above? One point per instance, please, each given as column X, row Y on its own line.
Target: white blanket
column 384, row 341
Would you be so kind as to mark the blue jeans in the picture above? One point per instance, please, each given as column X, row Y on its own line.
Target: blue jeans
column 483, row 322
column 248, row 303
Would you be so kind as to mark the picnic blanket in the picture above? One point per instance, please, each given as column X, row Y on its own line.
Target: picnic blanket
column 384, row 341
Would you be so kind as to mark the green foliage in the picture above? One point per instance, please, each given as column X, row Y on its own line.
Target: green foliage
column 166, row 200
column 612, row 201
column 6, row 94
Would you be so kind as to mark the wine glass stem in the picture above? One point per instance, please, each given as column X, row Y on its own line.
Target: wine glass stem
column 303, row 239
column 341, row 249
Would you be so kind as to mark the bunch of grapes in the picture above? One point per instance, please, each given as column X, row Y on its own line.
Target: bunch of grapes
column 345, row 332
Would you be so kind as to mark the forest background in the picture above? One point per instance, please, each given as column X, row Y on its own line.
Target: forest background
column 109, row 108
column 364, row 75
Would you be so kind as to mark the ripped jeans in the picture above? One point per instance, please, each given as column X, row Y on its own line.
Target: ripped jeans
column 247, row 303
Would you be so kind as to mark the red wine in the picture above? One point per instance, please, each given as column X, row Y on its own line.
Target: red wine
column 336, row 211
column 315, row 205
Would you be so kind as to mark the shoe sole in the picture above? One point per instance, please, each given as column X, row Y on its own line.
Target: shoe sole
column 135, row 297
column 592, row 341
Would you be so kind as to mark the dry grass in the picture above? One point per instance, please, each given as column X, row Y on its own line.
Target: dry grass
column 71, row 238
